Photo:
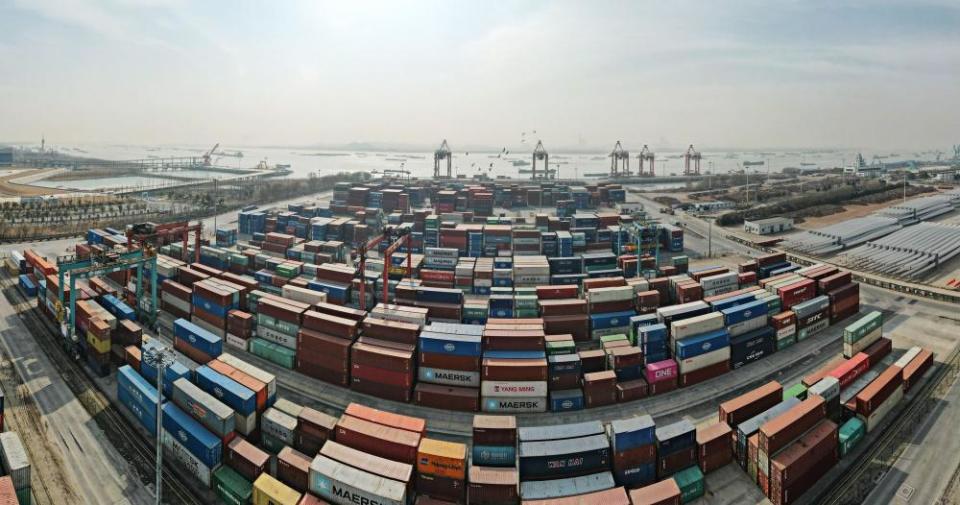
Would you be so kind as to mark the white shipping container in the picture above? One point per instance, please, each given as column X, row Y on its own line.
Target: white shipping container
column 188, row 461
column 610, row 294
column 441, row 252
column 448, row 377
column 596, row 334
column 878, row 415
column 704, row 360
column 246, row 424
column 747, row 326
column 639, row 285
column 689, row 327
column 278, row 425
column 813, row 329
column 719, row 281
column 344, row 485
column 183, row 305
column 236, row 342
column 907, row 357
column 719, row 291
column 673, row 310
column 15, row 459
column 288, row 341
column 789, row 331
column 400, row 316
column 304, row 295
column 850, row 350
column 267, row 378
column 514, row 389
column 827, row 387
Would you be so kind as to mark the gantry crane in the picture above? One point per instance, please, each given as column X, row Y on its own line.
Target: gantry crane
column 152, row 234
column 694, row 156
column 540, row 153
column 619, row 161
column 646, row 155
column 443, row 153
column 397, row 237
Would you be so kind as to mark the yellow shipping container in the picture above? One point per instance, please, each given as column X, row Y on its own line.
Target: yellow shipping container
column 443, row 459
column 102, row 346
column 270, row 491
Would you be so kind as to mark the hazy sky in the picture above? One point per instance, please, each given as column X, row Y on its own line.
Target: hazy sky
column 868, row 74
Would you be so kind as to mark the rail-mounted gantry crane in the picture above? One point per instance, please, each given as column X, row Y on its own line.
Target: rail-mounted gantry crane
column 619, row 161
column 646, row 155
column 540, row 153
column 691, row 161
column 397, row 237
column 443, row 153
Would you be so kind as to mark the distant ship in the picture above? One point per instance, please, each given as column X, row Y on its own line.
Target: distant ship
column 520, row 163
column 752, row 163
column 807, row 164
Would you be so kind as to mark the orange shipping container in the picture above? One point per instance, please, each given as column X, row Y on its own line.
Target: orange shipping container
column 443, row 459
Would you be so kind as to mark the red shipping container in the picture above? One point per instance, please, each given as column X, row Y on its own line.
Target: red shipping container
column 872, row 396
column 665, row 492
column 704, row 374
column 852, row 368
column 823, row 371
column 514, row 369
column 674, row 462
column 248, row 460
column 778, row 432
column 384, row 441
column 916, row 368
column 562, row 307
column 407, row 423
column 447, row 397
column 878, row 350
column 783, row 320
column 557, row 292
column 631, row 390
column 735, row 411
column 714, row 449
column 833, row 282
column 332, row 325
column 797, row 292
column 293, row 468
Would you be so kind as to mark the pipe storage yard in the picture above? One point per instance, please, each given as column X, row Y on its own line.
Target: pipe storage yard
column 419, row 299
column 911, row 253
column 854, row 232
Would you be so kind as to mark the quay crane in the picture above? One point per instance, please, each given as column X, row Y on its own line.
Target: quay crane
column 208, row 156
column 619, row 161
column 540, row 153
column 694, row 156
column 646, row 155
column 443, row 153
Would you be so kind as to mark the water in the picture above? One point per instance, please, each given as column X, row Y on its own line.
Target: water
column 322, row 162
column 110, row 183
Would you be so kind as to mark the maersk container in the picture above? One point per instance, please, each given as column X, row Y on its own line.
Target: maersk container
column 212, row 413
column 560, row 488
column 743, row 312
column 448, row 377
column 566, row 400
column 675, row 437
column 344, row 485
column 513, row 405
column 851, row 433
column 206, row 446
column 198, row 338
column 225, row 389
column 454, row 345
column 231, row 487
column 690, row 482
column 702, row 344
column 610, row 320
column 274, row 353
column 180, row 453
column 626, row 434
column 494, row 455
column 16, row 462
column 557, row 458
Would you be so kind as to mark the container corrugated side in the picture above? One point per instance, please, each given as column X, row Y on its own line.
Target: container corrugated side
column 345, row 485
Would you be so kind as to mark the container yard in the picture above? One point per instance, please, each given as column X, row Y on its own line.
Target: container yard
column 500, row 317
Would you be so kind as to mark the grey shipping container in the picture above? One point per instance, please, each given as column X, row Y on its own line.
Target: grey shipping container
column 345, row 485
column 560, row 431
column 279, row 425
column 559, row 488
column 212, row 413
column 16, row 463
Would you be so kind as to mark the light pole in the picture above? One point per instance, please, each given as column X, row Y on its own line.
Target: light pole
column 709, row 238
column 161, row 359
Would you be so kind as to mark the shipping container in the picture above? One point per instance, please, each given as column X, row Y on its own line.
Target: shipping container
column 269, row 491
column 568, row 457
column 344, row 485
column 561, row 488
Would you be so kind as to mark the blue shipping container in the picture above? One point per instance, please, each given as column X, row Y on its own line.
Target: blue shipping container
column 198, row 338
column 206, row 446
column 626, row 434
column 611, row 319
column 445, row 343
column 515, row 354
column 494, row 455
column 566, row 400
column 211, row 307
column 652, row 333
column 740, row 313
column 733, row 301
column 145, row 416
column 702, row 344
column 675, row 437
column 635, row 476
column 225, row 389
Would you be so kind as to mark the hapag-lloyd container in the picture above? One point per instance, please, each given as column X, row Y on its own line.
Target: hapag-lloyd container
column 661, row 371
column 514, row 389
column 345, row 485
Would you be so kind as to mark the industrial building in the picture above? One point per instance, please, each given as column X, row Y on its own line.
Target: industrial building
column 6, row 156
column 768, row 226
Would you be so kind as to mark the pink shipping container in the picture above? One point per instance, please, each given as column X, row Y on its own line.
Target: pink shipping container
column 661, row 371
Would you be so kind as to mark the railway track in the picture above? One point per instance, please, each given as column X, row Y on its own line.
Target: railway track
column 854, row 486
column 124, row 437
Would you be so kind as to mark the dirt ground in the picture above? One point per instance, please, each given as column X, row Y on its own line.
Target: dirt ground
column 8, row 188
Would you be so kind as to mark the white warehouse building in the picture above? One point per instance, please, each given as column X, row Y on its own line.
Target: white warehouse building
column 768, row 226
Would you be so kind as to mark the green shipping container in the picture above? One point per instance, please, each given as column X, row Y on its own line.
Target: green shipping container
column 525, row 291
column 286, row 271
column 274, row 353
column 863, row 326
column 680, row 260
column 565, row 347
column 24, row 496
column 851, row 433
column 612, row 338
column 525, row 302
column 231, row 487
column 525, row 313
column 798, row 391
column 285, row 327
column 785, row 342
column 690, row 482
column 271, row 444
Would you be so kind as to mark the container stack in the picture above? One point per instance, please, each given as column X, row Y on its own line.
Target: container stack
column 563, row 460
column 798, row 467
column 701, row 347
column 214, row 415
column 514, row 366
column 828, row 388
column 16, row 464
column 195, row 342
column 449, row 366
column 874, row 402
column 634, row 451
column 323, row 347
column 442, row 470
column 676, row 448
column 779, row 432
column 190, row 444
column 862, row 333
column 494, row 478
column 241, row 399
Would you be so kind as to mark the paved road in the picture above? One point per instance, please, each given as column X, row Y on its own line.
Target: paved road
column 921, row 473
column 95, row 471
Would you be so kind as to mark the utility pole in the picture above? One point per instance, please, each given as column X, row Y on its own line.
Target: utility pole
column 904, row 187
column 710, row 238
column 161, row 359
